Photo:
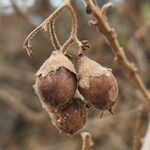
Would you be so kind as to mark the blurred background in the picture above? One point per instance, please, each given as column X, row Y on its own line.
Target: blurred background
column 23, row 123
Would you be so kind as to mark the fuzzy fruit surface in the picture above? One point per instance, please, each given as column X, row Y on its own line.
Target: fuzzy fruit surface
column 97, row 84
column 71, row 118
column 102, row 92
column 57, row 88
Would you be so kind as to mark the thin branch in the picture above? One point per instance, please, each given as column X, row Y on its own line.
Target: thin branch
column 25, row 17
column 54, row 39
column 87, row 141
column 49, row 25
column 27, row 42
column 73, row 35
column 118, row 51
column 138, row 129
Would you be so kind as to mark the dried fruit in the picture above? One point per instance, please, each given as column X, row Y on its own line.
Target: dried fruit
column 97, row 84
column 56, row 81
column 71, row 118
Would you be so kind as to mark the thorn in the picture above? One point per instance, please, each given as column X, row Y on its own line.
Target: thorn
column 133, row 67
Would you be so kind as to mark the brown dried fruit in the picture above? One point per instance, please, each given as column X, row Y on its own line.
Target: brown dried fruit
column 56, row 81
column 97, row 84
column 71, row 118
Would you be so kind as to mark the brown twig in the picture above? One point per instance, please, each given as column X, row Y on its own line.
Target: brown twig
column 25, row 18
column 87, row 141
column 138, row 128
column 54, row 39
column 48, row 25
column 44, row 26
column 111, row 36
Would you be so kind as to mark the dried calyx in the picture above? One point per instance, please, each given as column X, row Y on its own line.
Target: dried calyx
column 97, row 84
column 56, row 81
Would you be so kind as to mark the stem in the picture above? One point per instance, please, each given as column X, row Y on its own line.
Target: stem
column 86, row 140
column 27, row 44
column 73, row 35
column 118, row 51
column 49, row 24
column 138, row 129
column 54, row 39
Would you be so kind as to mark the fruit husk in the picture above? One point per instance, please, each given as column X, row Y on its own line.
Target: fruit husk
column 57, row 87
column 71, row 118
column 54, row 62
column 56, row 80
column 102, row 93
column 97, row 84
column 88, row 68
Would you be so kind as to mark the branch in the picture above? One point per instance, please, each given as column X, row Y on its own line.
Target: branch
column 73, row 35
column 54, row 39
column 44, row 25
column 138, row 129
column 118, row 51
column 25, row 17
column 86, row 140
column 49, row 25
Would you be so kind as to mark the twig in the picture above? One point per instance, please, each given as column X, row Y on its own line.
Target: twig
column 138, row 128
column 121, row 58
column 27, row 44
column 87, row 141
column 49, row 25
column 25, row 17
column 118, row 51
column 54, row 39
column 73, row 35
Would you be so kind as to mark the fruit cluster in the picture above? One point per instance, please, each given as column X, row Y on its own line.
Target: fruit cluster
column 65, row 94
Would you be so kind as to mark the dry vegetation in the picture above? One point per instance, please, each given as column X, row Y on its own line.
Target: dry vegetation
column 123, row 29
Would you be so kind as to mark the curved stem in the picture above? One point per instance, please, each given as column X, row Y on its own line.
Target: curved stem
column 73, row 35
column 74, row 20
column 26, row 43
column 48, row 25
column 54, row 39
